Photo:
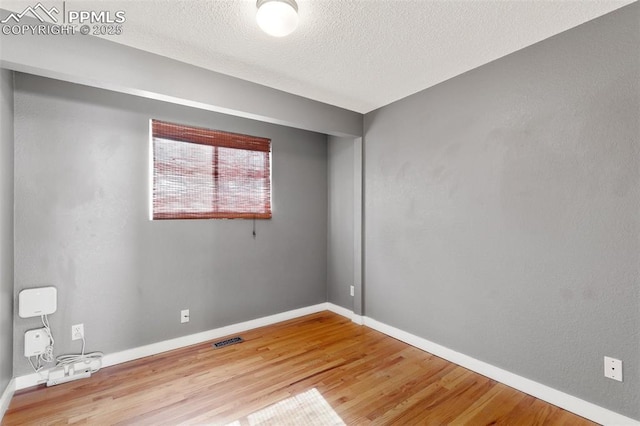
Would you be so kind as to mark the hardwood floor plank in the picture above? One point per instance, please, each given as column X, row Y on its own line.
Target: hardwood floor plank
column 365, row 376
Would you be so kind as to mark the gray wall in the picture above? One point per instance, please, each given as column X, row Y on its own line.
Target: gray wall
column 502, row 212
column 81, row 161
column 6, row 228
column 340, row 237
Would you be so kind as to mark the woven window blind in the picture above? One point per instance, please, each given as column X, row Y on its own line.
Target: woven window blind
column 209, row 174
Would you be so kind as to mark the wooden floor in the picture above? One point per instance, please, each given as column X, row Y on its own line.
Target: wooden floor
column 366, row 377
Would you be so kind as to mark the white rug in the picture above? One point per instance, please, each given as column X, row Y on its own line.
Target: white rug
column 306, row 409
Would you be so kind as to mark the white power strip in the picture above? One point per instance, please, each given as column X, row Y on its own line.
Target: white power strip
column 68, row 373
column 65, row 379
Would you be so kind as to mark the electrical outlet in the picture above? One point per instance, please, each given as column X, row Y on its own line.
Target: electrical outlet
column 613, row 368
column 184, row 315
column 77, row 332
column 352, row 290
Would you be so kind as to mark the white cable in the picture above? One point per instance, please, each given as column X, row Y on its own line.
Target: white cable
column 63, row 360
column 47, row 355
column 36, row 369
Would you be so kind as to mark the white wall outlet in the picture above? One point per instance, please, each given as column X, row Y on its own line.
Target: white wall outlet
column 77, row 331
column 613, row 368
column 184, row 316
column 352, row 290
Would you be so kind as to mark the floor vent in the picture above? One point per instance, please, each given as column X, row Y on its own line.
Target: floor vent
column 227, row 342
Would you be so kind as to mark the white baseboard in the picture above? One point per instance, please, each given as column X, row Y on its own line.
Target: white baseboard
column 358, row 319
column 34, row 379
column 180, row 342
column 5, row 399
column 568, row 402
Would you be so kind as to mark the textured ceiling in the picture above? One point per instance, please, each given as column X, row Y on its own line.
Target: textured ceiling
column 359, row 55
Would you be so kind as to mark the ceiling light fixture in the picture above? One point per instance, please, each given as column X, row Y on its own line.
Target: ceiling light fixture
column 277, row 18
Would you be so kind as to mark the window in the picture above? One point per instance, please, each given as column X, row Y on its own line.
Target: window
column 200, row 173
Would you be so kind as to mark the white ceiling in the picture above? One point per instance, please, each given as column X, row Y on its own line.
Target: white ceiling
column 356, row 54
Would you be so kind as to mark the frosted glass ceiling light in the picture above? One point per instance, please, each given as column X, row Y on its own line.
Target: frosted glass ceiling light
column 277, row 18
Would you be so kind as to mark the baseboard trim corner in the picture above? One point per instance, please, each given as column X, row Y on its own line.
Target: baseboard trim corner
column 553, row 396
column 337, row 309
column 33, row 379
column 5, row 398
